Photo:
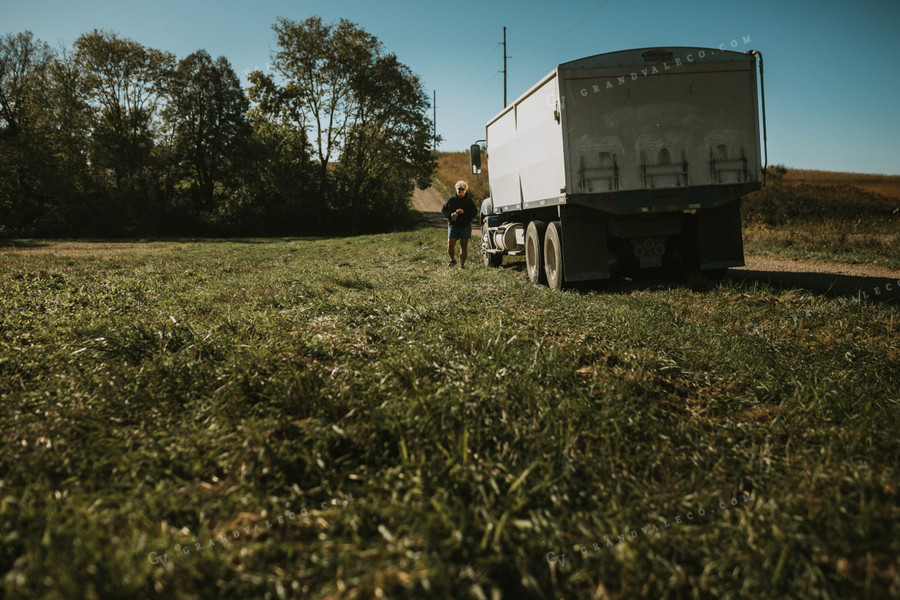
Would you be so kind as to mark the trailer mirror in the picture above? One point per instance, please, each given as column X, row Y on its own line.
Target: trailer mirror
column 475, row 158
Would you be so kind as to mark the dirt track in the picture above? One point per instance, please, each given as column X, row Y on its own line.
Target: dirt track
column 429, row 203
column 868, row 281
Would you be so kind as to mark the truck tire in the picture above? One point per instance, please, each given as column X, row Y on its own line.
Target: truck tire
column 553, row 260
column 534, row 251
column 491, row 259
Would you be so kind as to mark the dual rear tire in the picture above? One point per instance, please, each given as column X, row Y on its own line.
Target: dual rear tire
column 534, row 251
column 543, row 254
column 553, row 258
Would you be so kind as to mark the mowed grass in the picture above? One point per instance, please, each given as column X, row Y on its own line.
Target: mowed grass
column 348, row 418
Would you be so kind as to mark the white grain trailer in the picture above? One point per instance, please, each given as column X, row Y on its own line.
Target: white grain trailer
column 625, row 160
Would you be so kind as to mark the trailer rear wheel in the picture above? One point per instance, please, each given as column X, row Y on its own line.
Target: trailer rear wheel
column 534, row 251
column 491, row 259
column 553, row 263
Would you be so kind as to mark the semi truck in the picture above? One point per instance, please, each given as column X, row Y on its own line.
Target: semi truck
column 626, row 160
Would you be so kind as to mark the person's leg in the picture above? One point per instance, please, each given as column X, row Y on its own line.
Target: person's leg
column 463, row 251
column 451, row 250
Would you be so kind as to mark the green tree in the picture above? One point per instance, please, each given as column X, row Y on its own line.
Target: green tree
column 387, row 151
column 318, row 65
column 67, row 115
column 278, row 195
column 207, row 115
column 360, row 106
column 63, row 130
column 125, row 82
column 24, row 65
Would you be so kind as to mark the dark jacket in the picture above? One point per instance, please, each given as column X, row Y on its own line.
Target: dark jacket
column 465, row 203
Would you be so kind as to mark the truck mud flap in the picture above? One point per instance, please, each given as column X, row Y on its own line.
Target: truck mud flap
column 584, row 243
column 719, row 243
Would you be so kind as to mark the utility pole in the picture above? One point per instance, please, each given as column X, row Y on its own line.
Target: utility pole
column 504, row 67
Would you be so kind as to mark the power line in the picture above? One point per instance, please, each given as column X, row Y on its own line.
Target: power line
column 480, row 90
column 578, row 21
column 572, row 25
column 519, row 28
column 481, row 64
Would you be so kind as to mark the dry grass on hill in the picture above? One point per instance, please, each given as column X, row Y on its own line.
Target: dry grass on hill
column 886, row 185
column 453, row 166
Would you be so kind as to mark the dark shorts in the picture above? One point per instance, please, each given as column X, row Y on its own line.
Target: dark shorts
column 459, row 232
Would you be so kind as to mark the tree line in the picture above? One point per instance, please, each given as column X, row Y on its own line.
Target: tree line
column 110, row 138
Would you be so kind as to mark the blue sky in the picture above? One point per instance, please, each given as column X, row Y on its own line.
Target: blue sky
column 832, row 67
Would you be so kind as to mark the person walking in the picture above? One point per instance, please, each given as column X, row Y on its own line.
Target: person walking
column 459, row 211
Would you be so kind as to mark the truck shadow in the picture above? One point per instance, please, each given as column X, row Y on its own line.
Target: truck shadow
column 825, row 284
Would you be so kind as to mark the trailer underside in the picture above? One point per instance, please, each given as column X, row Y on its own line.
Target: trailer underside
column 575, row 241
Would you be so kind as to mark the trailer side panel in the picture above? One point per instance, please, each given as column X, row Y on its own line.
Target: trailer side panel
column 526, row 152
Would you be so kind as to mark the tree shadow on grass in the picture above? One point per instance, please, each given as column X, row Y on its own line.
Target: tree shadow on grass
column 431, row 219
column 14, row 243
column 22, row 243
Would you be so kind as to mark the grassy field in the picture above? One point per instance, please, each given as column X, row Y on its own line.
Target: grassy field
column 348, row 418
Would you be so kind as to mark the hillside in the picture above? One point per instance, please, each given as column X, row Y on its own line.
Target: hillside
column 885, row 185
